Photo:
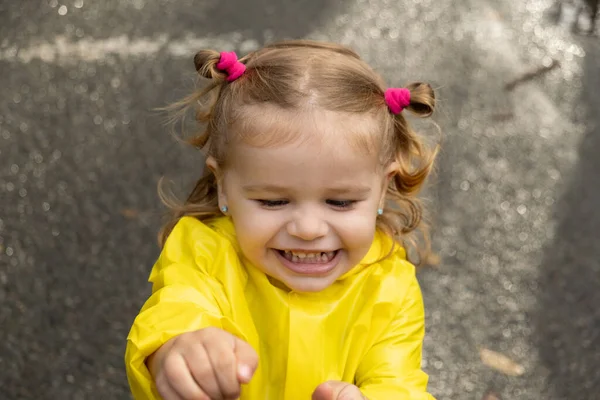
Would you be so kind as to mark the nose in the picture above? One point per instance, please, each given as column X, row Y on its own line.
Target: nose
column 307, row 225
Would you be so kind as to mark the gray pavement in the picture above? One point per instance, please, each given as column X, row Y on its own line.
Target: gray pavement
column 515, row 197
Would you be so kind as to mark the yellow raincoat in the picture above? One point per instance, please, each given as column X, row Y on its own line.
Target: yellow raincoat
column 366, row 329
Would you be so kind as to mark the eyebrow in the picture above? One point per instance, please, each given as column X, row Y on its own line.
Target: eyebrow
column 354, row 189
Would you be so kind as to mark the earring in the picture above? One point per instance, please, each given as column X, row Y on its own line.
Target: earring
column 224, row 209
column 380, row 211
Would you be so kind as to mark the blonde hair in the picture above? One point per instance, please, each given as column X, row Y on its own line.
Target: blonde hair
column 298, row 74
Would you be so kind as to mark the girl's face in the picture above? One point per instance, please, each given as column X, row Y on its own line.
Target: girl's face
column 304, row 212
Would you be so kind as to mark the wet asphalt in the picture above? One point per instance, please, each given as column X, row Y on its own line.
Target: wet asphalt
column 516, row 195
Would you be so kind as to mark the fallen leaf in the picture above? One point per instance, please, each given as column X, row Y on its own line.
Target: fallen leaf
column 490, row 395
column 500, row 362
column 130, row 213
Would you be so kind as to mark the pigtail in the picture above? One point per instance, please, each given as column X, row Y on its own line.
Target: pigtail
column 206, row 62
column 202, row 202
column 415, row 160
column 422, row 99
column 415, row 163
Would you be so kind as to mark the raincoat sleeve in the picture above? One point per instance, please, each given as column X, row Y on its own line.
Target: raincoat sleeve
column 391, row 369
column 185, row 297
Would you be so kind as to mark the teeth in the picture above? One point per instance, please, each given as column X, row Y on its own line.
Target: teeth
column 305, row 255
column 309, row 257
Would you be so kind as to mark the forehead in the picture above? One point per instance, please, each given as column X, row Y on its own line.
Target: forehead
column 270, row 126
column 317, row 154
column 303, row 166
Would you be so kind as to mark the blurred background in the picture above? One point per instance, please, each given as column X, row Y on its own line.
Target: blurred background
column 512, row 310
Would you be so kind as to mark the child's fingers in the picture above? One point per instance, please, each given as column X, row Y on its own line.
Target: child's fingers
column 323, row 392
column 336, row 390
column 224, row 364
column 349, row 392
column 167, row 392
column 176, row 381
column 247, row 360
column 201, row 369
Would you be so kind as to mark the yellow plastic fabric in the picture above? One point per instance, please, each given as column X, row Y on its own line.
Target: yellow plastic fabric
column 366, row 329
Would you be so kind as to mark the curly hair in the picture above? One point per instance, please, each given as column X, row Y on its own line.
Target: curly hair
column 299, row 74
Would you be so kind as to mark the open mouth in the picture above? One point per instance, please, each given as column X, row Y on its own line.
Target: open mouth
column 313, row 263
column 321, row 257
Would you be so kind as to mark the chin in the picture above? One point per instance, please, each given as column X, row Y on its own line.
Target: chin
column 308, row 285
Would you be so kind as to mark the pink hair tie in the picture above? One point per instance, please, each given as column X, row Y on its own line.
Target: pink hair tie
column 397, row 99
column 230, row 64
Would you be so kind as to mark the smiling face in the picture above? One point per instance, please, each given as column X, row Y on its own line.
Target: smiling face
column 304, row 211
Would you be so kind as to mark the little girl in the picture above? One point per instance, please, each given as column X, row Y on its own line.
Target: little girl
column 283, row 275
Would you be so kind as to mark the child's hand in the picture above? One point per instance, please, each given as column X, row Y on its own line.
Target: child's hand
column 206, row 364
column 335, row 390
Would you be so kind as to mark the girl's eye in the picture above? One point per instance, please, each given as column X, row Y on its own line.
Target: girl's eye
column 344, row 204
column 272, row 203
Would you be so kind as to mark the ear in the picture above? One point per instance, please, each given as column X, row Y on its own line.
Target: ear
column 389, row 174
column 391, row 171
column 212, row 164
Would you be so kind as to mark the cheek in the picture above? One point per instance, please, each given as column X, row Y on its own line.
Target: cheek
column 254, row 229
column 358, row 231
